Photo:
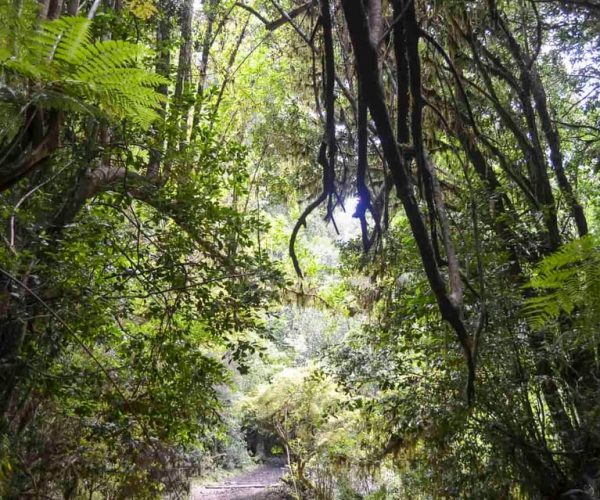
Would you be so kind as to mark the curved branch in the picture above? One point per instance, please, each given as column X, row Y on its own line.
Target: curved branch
column 299, row 223
column 13, row 172
column 326, row 156
column 108, row 178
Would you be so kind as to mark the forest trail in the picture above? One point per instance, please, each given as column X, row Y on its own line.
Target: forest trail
column 261, row 483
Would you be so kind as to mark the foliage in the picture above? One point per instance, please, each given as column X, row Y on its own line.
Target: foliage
column 69, row 72
column 131, row 303
column 154, row 159
column 567, row 280
column 299, row 407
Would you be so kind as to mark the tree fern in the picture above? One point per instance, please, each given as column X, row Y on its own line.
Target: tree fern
column 566, row 281
column 73, row 73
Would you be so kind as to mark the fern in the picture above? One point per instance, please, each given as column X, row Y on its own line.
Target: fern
column 73, row 73
column 566, row 281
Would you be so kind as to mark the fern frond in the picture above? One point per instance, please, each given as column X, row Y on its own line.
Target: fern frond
column 566, row 280
column 61, row 58
column 58, row 39
column 74, row 34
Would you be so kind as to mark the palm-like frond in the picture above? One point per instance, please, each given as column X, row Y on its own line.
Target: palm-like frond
column 67, row 67
column 567, row 280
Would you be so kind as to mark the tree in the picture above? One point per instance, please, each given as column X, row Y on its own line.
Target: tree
column 129, row 272
column 464, row 106
column 462, row 136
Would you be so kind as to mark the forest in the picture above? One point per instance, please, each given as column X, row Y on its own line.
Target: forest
column 354, row 242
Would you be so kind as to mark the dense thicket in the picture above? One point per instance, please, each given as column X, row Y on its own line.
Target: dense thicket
column 143, row 147
column 484, row 117
column 128, row 266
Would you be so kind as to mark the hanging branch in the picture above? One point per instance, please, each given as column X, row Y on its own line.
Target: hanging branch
column 454, row 278
column 252, row 11
column 327, row 150
column 364, row 196
column 329, row 165
column 481, row 278
column 469, row 140
column 229, row 72
column 210, row 11
column 368, row 73
column 424, row 175
column 530, row 90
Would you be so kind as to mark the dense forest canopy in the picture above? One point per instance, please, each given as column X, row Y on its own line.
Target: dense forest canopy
column 363, row 232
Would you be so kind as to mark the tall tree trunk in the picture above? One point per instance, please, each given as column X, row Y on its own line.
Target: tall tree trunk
column 556, row 156
column 163, row 68
column 210, row 10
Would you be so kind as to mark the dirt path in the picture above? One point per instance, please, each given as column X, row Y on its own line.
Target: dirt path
column 261, row 483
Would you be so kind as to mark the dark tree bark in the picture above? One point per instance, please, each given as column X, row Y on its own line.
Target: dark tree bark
column 403, row 98
column 327, row 150
column 368, row 73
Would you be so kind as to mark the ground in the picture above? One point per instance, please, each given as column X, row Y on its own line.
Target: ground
column 261, row 483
